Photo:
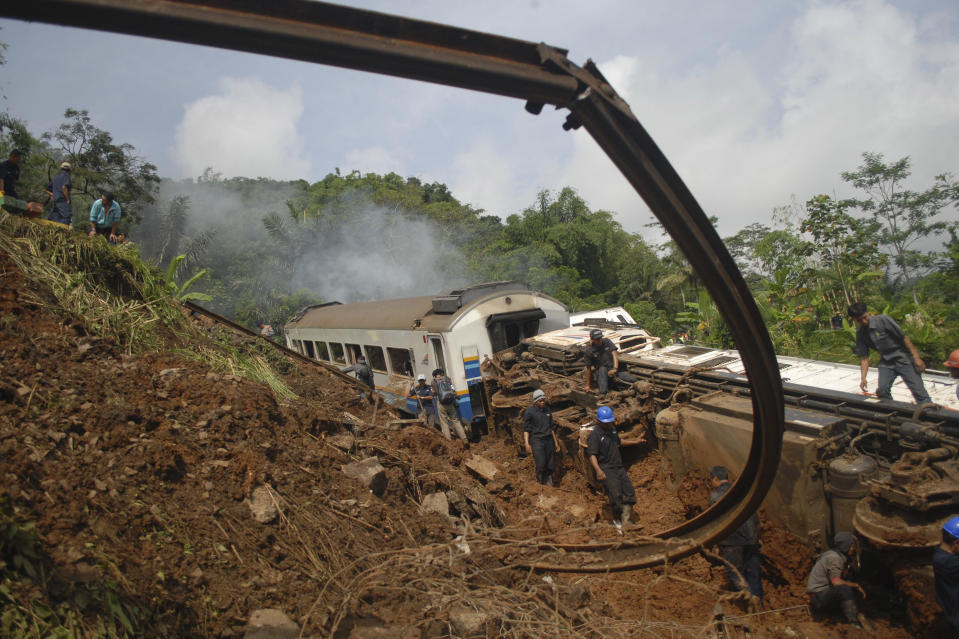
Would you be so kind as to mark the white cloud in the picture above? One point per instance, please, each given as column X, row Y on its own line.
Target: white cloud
column 247, row 128
column 484, row 178
column 858, row 77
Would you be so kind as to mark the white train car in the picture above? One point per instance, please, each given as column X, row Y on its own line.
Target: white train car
column 403, row 338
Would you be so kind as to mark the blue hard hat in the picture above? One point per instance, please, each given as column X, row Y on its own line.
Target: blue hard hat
column 952, row 526
column 605, row 414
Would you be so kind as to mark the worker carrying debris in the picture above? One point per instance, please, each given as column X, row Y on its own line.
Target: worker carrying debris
column 423, row 394
column 602, row 448
column 740, row 549
column 945, row 565
column 539, row 437
column 827, row 587
column 602, row 356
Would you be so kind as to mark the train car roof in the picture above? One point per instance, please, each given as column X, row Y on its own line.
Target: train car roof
column 434, row 313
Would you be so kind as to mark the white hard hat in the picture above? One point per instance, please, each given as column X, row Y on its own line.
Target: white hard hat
column 421, row 377
column 538, row 395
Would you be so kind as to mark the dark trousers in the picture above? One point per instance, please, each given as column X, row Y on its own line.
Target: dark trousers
column 747, row 560
column 835, row 597
column 619, row 488
column 543, row 455
column 909, row 374
column 62, row 212
column 602, row 378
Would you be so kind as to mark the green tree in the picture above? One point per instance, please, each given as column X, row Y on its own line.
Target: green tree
column 906, row 216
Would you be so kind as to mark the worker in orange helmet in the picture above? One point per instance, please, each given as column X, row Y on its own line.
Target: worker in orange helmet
column 953, row 364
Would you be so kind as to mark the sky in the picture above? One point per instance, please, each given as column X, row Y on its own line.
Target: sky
column 754, row 102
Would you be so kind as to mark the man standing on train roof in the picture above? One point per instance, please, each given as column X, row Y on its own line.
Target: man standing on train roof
column 953, row 365
column 601, row 355
column 897, row 355
column 602, row 448
column 363, row 373
column 945, row 566
column 539, row 437
column 827, row 587
column 445, row 397
column 740, row 549
column 423, row 394
column 62, row 212
column 10, row 173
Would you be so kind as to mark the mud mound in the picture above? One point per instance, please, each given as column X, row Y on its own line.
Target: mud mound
column 170, row 499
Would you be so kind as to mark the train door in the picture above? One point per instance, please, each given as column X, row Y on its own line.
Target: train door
column 439, row 361
column 471, row 369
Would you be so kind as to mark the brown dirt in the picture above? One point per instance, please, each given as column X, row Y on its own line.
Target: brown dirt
column 136, row 471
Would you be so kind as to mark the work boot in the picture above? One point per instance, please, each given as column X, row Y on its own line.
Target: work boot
column 851, row 613
column 627, row 513
column 549, row 480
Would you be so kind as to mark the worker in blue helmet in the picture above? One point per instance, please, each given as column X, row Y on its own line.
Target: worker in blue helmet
column 602, row 448
column 945, row 565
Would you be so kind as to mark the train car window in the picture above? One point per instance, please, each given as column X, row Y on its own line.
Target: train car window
column 298, row 346
column 337, row 351
column 401, row 361
column 322, row 352
column 309, row 349
column 376, row 359
column 352, row 352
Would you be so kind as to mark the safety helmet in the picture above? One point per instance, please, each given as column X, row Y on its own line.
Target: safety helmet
column 538, row 395
column 605, row 414
column 421, row 377
column 953, row 361
column 952, row 526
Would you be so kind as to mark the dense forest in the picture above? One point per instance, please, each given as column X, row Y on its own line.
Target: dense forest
column 266, row 248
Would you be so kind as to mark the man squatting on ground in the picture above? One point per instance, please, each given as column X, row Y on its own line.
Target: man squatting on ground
column 740, row 549
column 827, row 588
column 423, row 394
column 602, row 448
column 445, row 396
column 945, row 566
column 539, row 437
column 601, row 355
column 105, row 218
column 897, row 355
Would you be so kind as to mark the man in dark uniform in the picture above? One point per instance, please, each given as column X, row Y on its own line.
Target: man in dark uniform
column 602, row 448
column 826, row 586
column 62, row 212
column 423, row 394
column 10, row 173
column 363, row 373
column 897, row 355
column 945, row 566
column 953, row 365
column 602, row 356
column 447, row 413
column 539, row 437
column 740, row 549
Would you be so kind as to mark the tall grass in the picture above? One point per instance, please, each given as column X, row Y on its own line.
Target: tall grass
column 122, row 299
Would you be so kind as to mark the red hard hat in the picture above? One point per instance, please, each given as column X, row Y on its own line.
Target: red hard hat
column 953, row 361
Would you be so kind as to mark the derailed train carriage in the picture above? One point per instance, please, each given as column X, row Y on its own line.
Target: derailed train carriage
column 403, row 338
column 888, row 470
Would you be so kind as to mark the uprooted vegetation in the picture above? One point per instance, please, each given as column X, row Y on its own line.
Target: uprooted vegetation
column 163, row 476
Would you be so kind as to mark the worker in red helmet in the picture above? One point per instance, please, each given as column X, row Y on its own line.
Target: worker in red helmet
column 953, row 365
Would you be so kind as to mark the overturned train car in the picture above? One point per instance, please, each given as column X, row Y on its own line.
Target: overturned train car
column 888, row 470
